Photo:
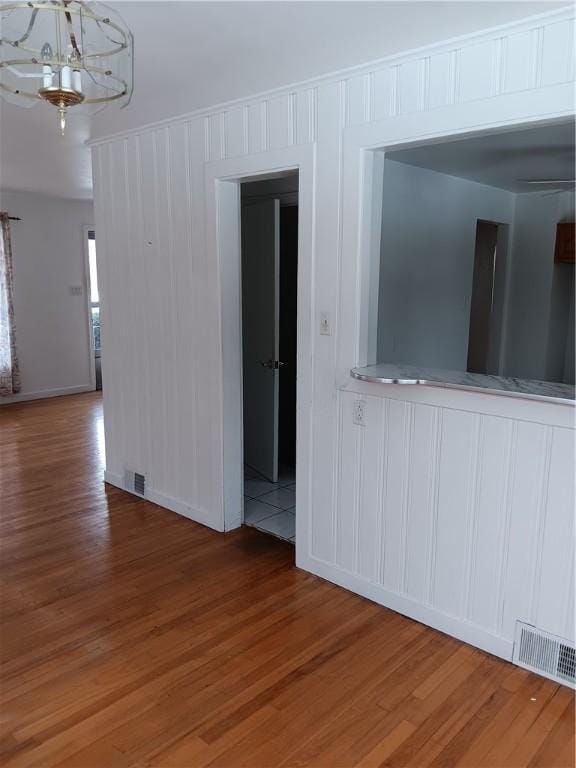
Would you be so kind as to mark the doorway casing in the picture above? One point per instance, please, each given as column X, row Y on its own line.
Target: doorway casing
column 222, row 189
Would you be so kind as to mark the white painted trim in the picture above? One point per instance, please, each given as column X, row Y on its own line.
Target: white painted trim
column 223, row 245
column 372, row 175
column 432, row 617
column 22, row 397
column 514, row 110
column 362, row 145
column 163, row 500
column 517, row 26
column 227, row 195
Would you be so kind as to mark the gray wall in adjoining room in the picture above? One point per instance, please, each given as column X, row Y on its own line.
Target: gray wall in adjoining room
column 426, row 265
column 427, row 259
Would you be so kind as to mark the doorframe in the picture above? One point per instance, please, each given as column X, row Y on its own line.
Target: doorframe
column 222, row 179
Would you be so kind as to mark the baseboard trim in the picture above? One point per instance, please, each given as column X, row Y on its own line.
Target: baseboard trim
column 168, row 502
column 42, row 394
column 432, row 617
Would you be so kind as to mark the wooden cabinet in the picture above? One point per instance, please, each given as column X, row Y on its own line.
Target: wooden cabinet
column 564, row 251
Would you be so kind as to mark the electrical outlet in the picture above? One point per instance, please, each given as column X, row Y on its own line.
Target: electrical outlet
column 75, row 290
column 359, row 413
column 325, row 324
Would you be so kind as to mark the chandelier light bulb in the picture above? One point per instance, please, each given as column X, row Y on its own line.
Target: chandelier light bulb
column 66, row 77
column 47, row 56
column 76, row 73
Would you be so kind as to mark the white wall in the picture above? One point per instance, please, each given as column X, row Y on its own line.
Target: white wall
column 536, row 289
column 427, row 260
column 453, row 508
column 51, row 324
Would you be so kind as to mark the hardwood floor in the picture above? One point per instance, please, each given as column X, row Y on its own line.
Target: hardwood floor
column 133, row 637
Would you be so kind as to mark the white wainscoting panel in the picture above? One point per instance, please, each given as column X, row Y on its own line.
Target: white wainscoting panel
column 556, row 63
column 476, row 82
column 280, row 122
column 306, row 116
column 385, row 93
column 441, row 72
column 518, row 65
column 468, row 513
column 236, row 128
column 358, row 99
column 453, row 508
column 412, row 84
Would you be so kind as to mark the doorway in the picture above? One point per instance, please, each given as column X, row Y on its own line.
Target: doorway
column 223, row 180
column 269, row 263
column 487, row 298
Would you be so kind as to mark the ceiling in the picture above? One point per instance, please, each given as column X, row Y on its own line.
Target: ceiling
column 502, row 159
column 190, row 55
column 34, row 157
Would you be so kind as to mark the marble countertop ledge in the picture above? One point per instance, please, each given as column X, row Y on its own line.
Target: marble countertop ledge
column 390, row 373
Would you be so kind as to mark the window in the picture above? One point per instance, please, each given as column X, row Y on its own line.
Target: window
column 94, row 297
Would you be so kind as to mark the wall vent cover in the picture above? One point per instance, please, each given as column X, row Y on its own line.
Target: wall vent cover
column 545, row 654
column 139, row 483
column 134, row 482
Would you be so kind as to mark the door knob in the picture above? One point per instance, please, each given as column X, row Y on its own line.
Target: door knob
column 273, row 364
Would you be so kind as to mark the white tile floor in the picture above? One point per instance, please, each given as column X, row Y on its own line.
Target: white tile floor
column 270, row 507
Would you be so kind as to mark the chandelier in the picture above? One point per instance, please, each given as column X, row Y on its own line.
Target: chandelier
column 68, row 53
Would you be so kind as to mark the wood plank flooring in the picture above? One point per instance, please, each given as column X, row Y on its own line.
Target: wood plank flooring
column 133, row 637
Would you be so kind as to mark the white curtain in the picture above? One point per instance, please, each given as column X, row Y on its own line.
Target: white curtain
column 9, row 372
